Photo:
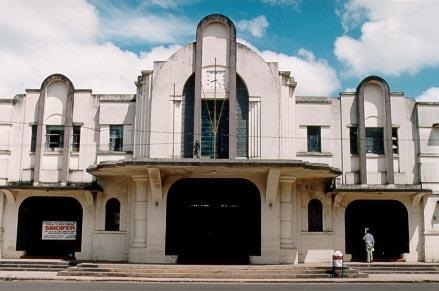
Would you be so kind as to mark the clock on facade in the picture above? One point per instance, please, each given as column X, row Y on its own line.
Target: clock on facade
column 217, row 78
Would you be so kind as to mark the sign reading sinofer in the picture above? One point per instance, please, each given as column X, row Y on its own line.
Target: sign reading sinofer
column 59, row 230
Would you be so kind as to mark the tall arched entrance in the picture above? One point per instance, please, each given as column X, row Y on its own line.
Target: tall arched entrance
column 215, row 147
column 49, row 226
column 387, row 221
column 213, row 221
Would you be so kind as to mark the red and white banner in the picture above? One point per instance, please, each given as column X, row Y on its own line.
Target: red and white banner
column 59, row 230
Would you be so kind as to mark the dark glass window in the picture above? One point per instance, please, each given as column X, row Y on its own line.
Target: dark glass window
column 314, row 139
column 211, row 146
column 54, row 137
column 112, row 215
column 375, row 140
column 315, row 215
column 395, row 140
column 33, row 142
column 353, row 136
column 116, row 138
column 76, row 138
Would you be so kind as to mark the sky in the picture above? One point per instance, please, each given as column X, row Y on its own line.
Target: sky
column 328, row 45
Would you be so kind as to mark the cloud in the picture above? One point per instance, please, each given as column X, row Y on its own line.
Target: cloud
column 293, row 3
column 25, row 24
column 43, row 37
column 396, row 37
column 136, row 24
column 314, row 76
column 168, row 4
column 34, row 47
column 256, row 26
column 429, row 95
column 164, row 3
column 153, row 29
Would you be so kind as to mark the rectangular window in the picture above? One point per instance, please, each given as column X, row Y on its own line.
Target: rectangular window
column 395, row 140
column 116, row 138
column 314, row 139
column 375, row 140
column 76, row 138
column 54, row 137
column 353, row 136
column 33, row 142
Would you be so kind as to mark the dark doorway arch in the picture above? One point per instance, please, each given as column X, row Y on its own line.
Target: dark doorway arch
column 215, row 221
column 31, row 214
column 387, row 220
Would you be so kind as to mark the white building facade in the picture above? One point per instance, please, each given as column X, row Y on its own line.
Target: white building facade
column 216, row 160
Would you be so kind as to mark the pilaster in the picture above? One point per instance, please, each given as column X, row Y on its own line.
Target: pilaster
column 137, row 252
column 288, row 250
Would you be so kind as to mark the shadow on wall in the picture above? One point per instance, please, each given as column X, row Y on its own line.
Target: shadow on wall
column 433, row 139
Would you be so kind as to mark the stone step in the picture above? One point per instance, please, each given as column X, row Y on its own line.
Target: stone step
column 195, row 275
column 33, row 266
column 209, row 271
column 397, row 268
column 399, row 272
column 153, row 268
column 33, row 269
column 146, row 269
column 37, row 262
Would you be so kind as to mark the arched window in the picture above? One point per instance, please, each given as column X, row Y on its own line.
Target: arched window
column 112, row 215
column 315, row 215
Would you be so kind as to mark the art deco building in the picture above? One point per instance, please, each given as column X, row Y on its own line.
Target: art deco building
column 217, row 160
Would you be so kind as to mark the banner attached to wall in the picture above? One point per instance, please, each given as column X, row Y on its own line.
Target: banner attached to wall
column 59, row 230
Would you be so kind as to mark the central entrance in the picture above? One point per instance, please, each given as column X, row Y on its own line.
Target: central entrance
column 213, row 221
column 387, row 220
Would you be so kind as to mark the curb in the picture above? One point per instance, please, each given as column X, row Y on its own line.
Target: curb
column 214, row 280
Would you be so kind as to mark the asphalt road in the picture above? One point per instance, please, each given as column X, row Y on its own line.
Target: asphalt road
column 122, row 286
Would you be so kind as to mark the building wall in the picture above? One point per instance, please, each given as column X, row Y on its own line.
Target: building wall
column 428, row 137
column 278, row 121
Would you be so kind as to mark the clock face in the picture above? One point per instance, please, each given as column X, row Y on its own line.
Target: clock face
column 215, row 81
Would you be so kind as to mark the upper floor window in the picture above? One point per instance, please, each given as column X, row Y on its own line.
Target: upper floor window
column 353, row 136
column 314, row 139
column 76, row 138
column 116, row 138
column 374, row 140
column 54, row 137
column 33, row 142
column 315, row 215
column 112, row 215
column 395, row 140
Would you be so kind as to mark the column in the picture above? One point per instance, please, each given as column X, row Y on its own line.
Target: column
column 288, row 250
column 137, row 251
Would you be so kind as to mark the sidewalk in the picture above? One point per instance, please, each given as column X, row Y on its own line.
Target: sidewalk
column 373, row 278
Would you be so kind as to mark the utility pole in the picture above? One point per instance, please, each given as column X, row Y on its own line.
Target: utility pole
column 173, row 123
column 214, row 113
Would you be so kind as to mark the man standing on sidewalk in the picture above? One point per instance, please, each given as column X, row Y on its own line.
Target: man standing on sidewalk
column 369, row 243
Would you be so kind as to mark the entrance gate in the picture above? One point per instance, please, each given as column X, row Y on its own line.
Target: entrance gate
column 387, row 221
column 63, row 215
column 213, row 221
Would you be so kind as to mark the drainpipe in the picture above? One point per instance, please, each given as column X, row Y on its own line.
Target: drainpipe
column 341, row 144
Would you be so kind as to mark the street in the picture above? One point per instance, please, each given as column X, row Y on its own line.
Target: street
column 120, row 286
